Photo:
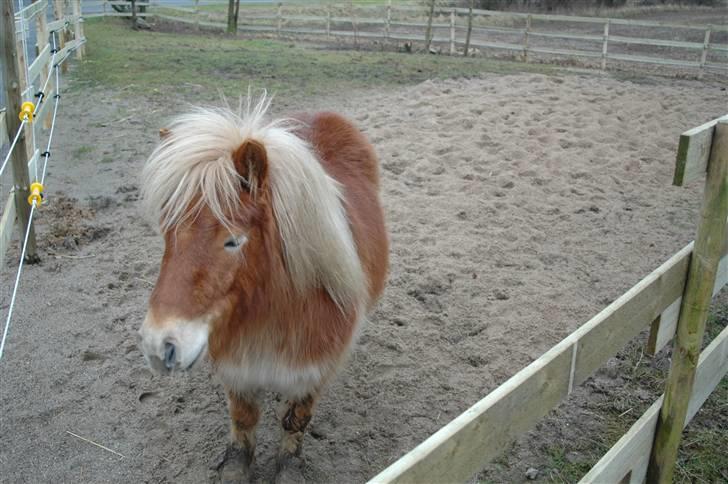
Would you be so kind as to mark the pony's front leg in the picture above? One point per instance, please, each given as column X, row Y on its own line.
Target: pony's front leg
column 240, row 454
column 296, row 416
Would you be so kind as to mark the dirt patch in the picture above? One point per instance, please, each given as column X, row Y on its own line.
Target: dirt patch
column 69, row 225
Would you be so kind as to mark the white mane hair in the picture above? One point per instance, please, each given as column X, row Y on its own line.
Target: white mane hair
column 193, row 167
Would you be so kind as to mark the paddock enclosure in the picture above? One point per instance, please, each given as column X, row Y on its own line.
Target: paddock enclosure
column 519, row 205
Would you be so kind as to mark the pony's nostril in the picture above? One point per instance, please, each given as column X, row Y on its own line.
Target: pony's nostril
column 170, row 357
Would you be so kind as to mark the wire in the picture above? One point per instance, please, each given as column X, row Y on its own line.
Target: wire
column 46, row 154
column 10, row 151
column 17, row 280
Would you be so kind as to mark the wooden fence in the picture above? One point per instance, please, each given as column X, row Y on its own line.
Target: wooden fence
column 465, row 445
column 68, row 29
column 596, row 40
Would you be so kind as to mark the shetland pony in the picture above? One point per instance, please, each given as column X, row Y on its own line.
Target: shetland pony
column 275, row 249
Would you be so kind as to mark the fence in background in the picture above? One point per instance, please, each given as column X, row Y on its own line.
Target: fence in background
column 594, row 41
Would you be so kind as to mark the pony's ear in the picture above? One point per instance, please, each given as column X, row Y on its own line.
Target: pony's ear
column 251, row 163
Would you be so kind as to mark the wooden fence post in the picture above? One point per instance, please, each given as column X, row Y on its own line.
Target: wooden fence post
column 26, row 90
column 354, row 26
column 693, row 311
column 605, row 41
column 133, row 14
column 452, row 32
column 387, row 26
column 78, row 29
column 13, row 97
column 58, row 12
column 41, row 28
column 328, row 21
column 197, row 14
column 704, row 54
column 279, row 19
column 470, row 28
column 428, row 32
column 525, row 38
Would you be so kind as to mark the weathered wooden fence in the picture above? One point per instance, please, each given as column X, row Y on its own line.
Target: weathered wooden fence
column 31, row 81
column 591, row 40
column 465, row 445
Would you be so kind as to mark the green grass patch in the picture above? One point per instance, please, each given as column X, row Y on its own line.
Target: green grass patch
column 148, row 63
column 82, row 151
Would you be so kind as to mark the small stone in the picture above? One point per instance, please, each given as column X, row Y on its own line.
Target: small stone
column 500, row 295
column 531, row 474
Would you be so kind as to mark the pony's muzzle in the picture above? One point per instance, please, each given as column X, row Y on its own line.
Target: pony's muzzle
column 176, row 345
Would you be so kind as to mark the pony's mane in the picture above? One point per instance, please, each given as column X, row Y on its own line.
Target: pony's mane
column 193, row 167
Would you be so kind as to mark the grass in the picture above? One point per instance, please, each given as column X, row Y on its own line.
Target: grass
column 150, row 63
column 81, row 151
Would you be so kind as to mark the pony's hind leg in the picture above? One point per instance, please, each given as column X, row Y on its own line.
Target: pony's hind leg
column 294, row 419
column 240, row 454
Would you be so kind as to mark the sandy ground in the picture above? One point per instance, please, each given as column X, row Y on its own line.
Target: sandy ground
column 518, row 206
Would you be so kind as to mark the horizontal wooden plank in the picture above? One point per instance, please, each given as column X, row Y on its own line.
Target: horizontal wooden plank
column 42, row 110
column 563, row 35
column 495, row 45
column 630, row 455
column 605, row 334
column 657, row 42
column 576, row 53
column 7, row 227
column 69, row 47
column 578, row 19
column 463, row 446
column 672, row 25
column 118, row 14
column 693, row 152
column 653, row 60
column 664, row 327
column 499, row 30
column 359, row 21
column 459, row 449
column 722, row 67
column 59, row 24
column 175, row 8
column 718, row 47
column 33, row 10
column 39, row 63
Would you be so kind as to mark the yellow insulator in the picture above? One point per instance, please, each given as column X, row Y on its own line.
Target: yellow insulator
column 36, row 194
column 27, row 110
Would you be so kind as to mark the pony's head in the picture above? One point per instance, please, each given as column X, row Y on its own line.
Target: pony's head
column 250, row 219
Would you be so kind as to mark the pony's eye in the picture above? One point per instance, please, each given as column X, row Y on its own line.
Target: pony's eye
column 234, row 243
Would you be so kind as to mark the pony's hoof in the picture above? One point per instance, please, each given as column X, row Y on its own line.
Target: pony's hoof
column 235, row 466
column 289, row 470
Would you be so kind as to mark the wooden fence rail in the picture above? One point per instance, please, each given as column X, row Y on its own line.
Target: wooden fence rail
column 386, row 24
column 465, row 445
column 462, row 447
